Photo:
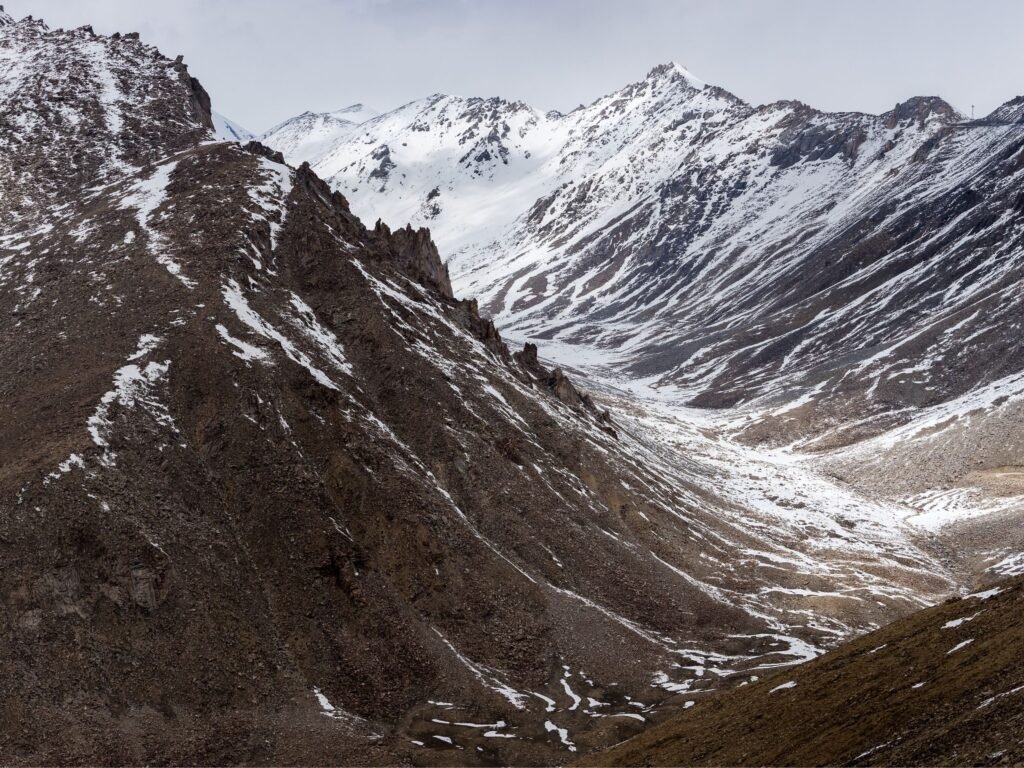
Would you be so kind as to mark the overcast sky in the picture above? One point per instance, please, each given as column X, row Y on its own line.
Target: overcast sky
column 265, row 60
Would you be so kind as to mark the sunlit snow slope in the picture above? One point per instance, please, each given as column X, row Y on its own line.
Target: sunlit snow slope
column 772, row 254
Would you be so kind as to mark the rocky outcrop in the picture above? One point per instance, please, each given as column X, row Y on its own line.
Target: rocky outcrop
column 384, row 163
column 919, row 110
column 562, row 388
column 558, row 384
column 262, row 150
column 416, row 255
column 805, row 138
column 482, row 328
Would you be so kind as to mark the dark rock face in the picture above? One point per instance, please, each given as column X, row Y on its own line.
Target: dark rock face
column 482, row 328
column 202, row 102
column 383, row 170
column 806, row 138
column 418, row 256
column 918, row 110
column 262, row 150
column 563, row 388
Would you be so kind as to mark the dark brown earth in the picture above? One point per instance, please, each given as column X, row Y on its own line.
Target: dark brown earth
column 898, row 696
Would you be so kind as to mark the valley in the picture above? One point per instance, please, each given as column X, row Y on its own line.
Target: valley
column 467, row 434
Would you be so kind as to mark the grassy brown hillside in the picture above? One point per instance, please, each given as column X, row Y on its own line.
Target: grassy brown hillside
column 944, row 686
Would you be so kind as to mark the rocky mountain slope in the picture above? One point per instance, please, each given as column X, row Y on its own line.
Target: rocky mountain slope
column 942, row 687
column 269, row 492
column 842, row 290
column 749, row 255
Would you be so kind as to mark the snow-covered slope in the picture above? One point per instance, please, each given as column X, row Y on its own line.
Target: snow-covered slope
column 312, row 134
column 472, row 166
column 228, row 130
column 836, row 277
column 771, row 254
column 356, row 113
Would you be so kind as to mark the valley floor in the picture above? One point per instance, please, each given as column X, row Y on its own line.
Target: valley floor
column 909, row 483
column 836, row 560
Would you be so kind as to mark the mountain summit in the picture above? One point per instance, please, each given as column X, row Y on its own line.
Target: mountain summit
column 673, row 70
column 356, row 113
column 312, row 134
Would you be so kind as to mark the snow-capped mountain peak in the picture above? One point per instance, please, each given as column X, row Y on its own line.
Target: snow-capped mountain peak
column 310, row 135
column 5, row 18
column 228, row 130
column 674, row 71
column 355, row 113
column 506, row 155
column 613, row 224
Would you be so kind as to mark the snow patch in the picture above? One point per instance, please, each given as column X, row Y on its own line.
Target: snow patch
column 563, row 734
column 234, row 298
column 959, row 646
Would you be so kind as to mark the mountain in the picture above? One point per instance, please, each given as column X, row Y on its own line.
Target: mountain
column 272, row 493
column 311, row 134
column 841, row 289
column 753, row 256
column 228, row 130
column 942, row 687
column 356, row 113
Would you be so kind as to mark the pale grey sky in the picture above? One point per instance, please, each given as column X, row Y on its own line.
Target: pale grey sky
column 265, row 60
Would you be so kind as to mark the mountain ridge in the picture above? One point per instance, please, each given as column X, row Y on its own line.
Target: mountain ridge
column 534, row 212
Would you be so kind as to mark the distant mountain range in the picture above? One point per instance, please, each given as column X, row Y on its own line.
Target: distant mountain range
column 765, row 255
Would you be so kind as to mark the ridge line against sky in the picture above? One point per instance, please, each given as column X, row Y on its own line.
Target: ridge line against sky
column 264, row 61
